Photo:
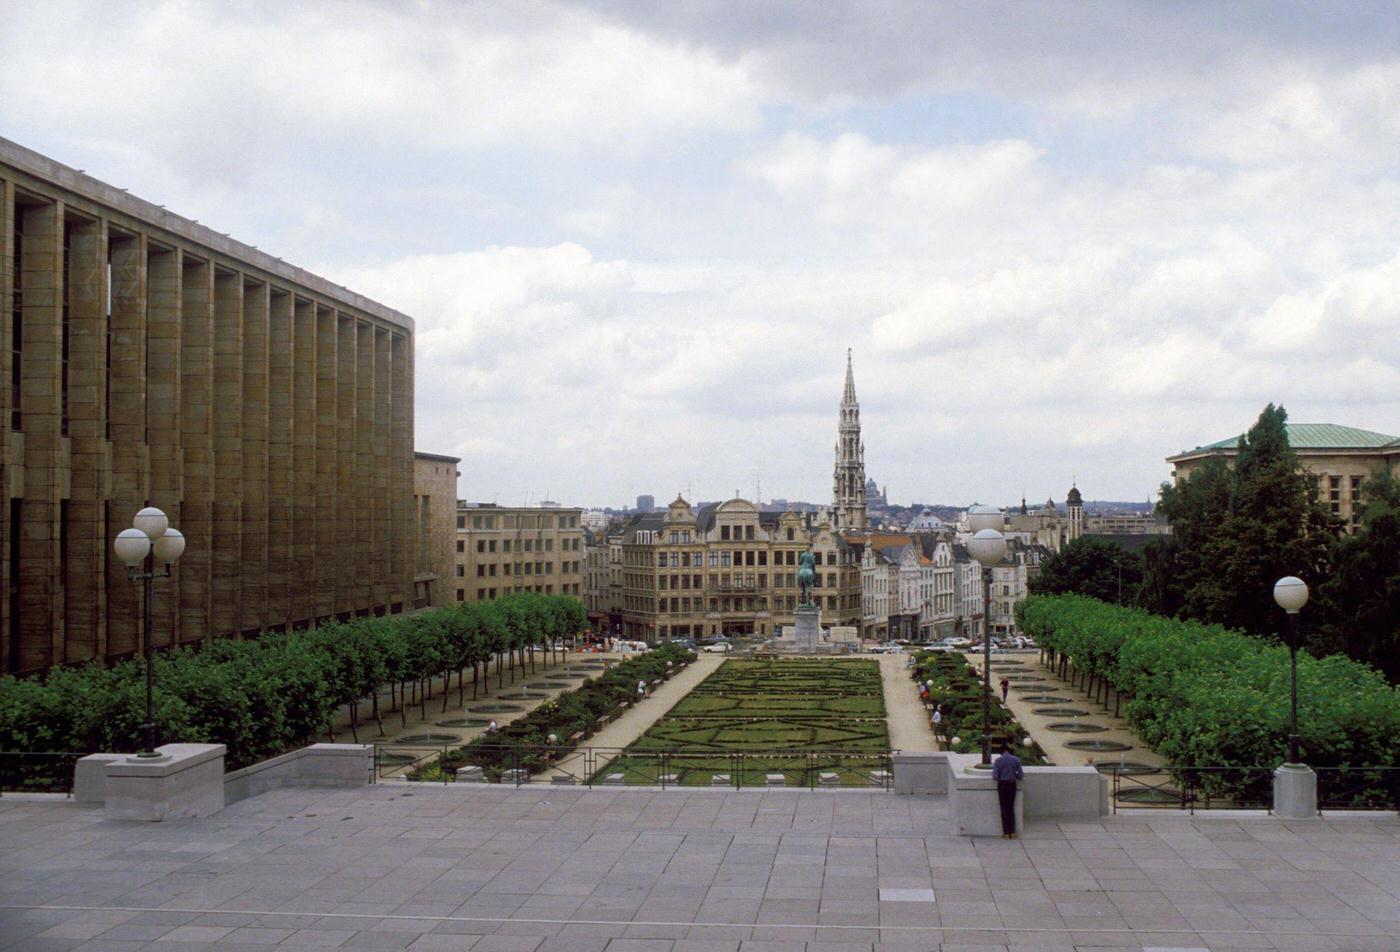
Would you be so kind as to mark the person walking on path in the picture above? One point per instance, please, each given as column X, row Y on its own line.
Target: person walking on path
column 1005, row 689
column 641, row 690
column 937, row 720
column 1006, row 770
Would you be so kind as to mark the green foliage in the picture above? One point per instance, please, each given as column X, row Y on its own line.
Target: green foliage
column 1237, row 531
column 264, row 696
column 1090, row 567
column 958, row 689
column 1359, row 603
column 1202, row 695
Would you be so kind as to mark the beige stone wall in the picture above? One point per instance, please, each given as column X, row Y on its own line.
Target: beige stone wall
column 502, row 550
column 434, row 529
column 268, row 412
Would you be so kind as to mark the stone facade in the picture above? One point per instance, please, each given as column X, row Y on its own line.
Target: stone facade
column 435, row 528
column 528, row 549
column 152, row 360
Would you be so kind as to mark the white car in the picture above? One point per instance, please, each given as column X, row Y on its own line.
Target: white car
column 718, row 647
column 957, row 644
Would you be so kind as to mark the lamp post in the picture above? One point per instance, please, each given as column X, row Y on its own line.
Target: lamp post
column 150, row 540
column 987, row 546
column 1291, row 594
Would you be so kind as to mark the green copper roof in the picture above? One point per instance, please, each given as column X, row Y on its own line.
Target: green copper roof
column 1320, row 436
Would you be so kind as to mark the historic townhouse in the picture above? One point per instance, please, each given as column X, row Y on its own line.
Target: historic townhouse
column 151, row 360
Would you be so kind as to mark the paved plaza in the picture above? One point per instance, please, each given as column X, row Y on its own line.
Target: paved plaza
column 399, row 866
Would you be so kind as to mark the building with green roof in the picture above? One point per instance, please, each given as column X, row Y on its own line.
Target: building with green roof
column 1341, row 457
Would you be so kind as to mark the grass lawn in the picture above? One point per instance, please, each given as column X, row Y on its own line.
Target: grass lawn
column 797, row 716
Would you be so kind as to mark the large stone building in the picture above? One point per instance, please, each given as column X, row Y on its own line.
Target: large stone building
column 150, row 360
column 1341, row 457
column 435, row 528
column 729, row 568
column 503, row 549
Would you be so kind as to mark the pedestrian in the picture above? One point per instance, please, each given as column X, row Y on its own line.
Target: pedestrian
column 1005, row 689
column 937, row 720
column 641, row 690
column 492, row 728
column 1006, row 770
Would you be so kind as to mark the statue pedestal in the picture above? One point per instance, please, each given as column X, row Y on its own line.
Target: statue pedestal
column 808, row 630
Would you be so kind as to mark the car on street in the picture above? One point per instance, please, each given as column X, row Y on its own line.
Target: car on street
column 718, row 647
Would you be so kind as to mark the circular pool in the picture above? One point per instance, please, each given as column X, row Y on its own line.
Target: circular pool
column 1075, row 727
column 434, row 738
column 1098, row 744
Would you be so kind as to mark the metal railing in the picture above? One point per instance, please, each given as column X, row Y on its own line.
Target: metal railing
column 519, row 764
column 45, row 771
column 1195, row 788
column 1358, row 788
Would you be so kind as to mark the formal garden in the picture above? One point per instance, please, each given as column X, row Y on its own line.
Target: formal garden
column 808, row 721
column 956, row 688
column 1215, row 702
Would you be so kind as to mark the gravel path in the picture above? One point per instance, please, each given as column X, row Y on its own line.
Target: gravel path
column 904, row 712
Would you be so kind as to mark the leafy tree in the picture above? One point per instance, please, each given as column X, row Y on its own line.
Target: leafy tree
column 1237, row 531
column 1359, row 603
column 1091, row 567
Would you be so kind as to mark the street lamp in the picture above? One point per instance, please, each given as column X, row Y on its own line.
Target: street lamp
column 151, row 540
column 1291, row 594
column 987, row 546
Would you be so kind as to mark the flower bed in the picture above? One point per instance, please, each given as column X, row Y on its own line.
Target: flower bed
column 958, row 688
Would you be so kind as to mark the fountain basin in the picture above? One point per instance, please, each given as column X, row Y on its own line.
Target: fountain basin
column 1098, row 744
column 494, row 708
column 521, row 696
column 1075, row 727
column 1045, row 698
column 430, row 737
column 548, row 685
column 1060, row 711
column 386, row 759
column 463, row 722
column 1126, row 767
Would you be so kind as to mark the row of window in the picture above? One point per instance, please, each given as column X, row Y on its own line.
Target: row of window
column 519, row 521
column 484, row 594
column 485, row 570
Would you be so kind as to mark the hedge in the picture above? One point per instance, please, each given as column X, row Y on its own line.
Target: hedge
column 1204, row 696
column 958, row 688
column 261, row 697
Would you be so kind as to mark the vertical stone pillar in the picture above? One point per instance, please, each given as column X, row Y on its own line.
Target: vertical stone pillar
column 162, row 420
column 383, row 541
column 127, row 416
column 226, row 504
column 302, row 581
column 365, row 540
column 401, row 475
column 254, row 566
column 196, row 429
column 347, row 583
column 87, row 488
column 280, row 532
column 40, row 598
column 326, row 462
column 9, row 487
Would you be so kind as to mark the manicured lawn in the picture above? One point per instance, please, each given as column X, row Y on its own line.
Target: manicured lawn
column 799, row 717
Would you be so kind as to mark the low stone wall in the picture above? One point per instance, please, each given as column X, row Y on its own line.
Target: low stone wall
column 184, row 780
column 925, row 772
column 320, row 765
column 1046, row 793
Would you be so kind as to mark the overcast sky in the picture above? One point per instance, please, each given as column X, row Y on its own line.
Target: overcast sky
column 1063, row 241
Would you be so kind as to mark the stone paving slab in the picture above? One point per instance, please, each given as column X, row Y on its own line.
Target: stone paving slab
column 399, row 866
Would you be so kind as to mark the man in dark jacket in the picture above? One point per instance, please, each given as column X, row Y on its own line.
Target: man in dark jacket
column 1006, row 770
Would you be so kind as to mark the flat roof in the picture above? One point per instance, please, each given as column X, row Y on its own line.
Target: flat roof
column 79, row 183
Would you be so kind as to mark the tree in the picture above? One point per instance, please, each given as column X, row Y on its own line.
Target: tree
column 1237, row 531
column 1091, row 567
column 1358, row 606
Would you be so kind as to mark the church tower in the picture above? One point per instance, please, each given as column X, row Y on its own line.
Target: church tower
column 1074, row 506
column 848, row 504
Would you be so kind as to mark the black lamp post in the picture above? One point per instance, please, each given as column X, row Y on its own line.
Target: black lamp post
column 988, row 547
column 1291, row 594
column 151, row 540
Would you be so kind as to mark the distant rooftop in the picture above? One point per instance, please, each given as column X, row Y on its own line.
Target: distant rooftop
column 1317, row 436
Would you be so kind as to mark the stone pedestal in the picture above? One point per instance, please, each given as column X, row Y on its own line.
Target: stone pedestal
column 807, row 632
column 1295, row 792
column 921, row 772
column 187, row 780
column 972, row 798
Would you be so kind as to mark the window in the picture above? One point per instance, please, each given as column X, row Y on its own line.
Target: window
column 461, row 570
column 492, row 569
column 748, row 533
column 789, row 535
column 461, row 595
column 491, row 546
column 461, row 523
column 661, row 560
column 476, row 522
column 461, row 546
column 481, row 571
column 480, row 546
column 714, row 559
column 549, row 545
column 675, row 560
column 763, row 557
column 724, row 533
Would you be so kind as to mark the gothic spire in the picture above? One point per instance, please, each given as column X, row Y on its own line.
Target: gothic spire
column 849, row 397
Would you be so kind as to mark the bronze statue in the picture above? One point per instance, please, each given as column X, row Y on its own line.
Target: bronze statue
column 806, row 577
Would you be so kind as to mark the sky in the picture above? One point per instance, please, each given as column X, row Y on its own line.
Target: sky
column 1062, row 241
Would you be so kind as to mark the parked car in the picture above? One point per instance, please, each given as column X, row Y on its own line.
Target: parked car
column 718, row 647
column 957, row 644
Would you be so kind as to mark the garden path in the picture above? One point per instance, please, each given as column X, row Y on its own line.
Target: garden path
column 905, row 716
column 638, row 718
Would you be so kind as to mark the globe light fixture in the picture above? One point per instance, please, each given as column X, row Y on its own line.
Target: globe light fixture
column 1291, row 594
column 151, row 540
column 988, row 547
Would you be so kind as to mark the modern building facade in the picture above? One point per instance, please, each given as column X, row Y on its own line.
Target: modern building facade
column 1340, row 457
column 435, row 528
column 503, row 549
column 150, row 360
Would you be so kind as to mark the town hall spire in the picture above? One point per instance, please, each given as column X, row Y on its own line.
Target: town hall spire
column 848, row 504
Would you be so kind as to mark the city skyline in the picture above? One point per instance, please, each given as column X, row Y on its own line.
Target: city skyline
column 1060, row 252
